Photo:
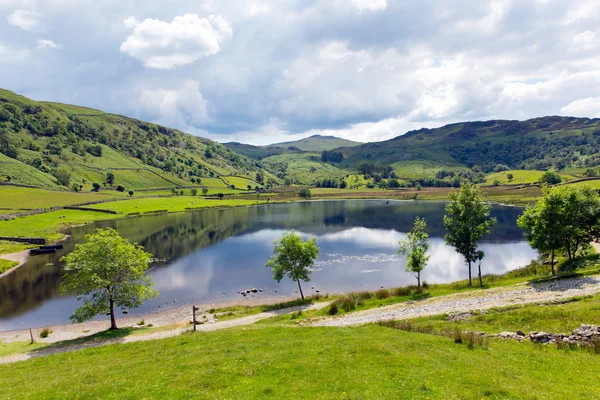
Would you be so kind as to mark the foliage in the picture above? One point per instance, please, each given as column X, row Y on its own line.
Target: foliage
column 415, row 248
column 305, row 193
column 332, row 156
column 466, row 221
column 62, row 176
column 550, row 178
column 107, row 271
column 566, row 217
column 294, row 258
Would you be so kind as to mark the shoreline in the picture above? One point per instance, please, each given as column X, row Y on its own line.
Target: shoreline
column 161, row 318
column 21, row 257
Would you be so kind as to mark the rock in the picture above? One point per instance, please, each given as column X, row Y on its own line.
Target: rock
column 125, row 312
column 254, row 290
column 507, row 335
column 520, row 333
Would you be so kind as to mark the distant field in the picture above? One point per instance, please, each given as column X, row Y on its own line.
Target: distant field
column 171, row 204
column 212, row 182
column 240, row 182
column 521, row 177
column 20, row 197
column 302, row 167
column 23, row 173
column 594, row 184
column 420, row 168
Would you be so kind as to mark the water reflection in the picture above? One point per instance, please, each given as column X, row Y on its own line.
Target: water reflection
column 213, row 254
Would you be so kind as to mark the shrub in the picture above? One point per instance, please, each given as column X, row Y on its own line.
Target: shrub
column 45, row 332
column 194, row 191
column 96, row 186
column 382, row 294
column 402, row 291
column 305, row 193
column 332, row 309
column 296, row 315
column 120, row 188
column 142, row 322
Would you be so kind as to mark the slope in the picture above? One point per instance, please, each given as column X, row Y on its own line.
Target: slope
column 317, row 143
column 65, row 146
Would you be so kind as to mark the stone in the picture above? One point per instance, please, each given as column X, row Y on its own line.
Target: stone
column 520, row 333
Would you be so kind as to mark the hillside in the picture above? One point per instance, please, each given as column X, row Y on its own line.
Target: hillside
column 538, row 143
column 318, row 143
column 55, row 145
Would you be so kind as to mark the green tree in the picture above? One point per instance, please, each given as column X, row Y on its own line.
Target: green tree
column 543, row 223
column 96, row 186
column 510, row 177
column 294, row 258
column 550, row 178
column 305, row 193
column 415, row 248
column 466, row 221
column 131, row 193
column 62, row 176
column 194, row 191
column 259, row 177
column 204, row 191
column 110, row 178
column 107, row 271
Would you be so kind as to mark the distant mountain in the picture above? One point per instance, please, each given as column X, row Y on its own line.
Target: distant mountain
column 537, row 143
column 317, row 143
column 52, row 145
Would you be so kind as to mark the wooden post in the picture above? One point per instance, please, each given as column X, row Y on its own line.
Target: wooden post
column 31, row 335
column 194, row 309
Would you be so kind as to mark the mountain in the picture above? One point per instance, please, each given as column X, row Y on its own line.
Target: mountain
column 57, row 145
column 537, row 143
column 317, row 143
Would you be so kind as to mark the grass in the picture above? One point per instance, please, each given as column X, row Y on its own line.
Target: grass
column 5, row 265
column 24, row 174
column 171, row 204
column 11, row 348
column 30, row 198
column 560, row 317
column 240, row 182
column 421, row 168
column 265, row 362
column 521, row 177
column 305, row 168
column 593, row 184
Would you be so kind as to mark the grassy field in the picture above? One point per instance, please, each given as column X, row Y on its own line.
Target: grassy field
column 171, row 204
column 29, row 198
column 303, row 168
column 24, row 174
column 241, row 182
column 594, row 184
column 5, row 265
column 521, row 177
column 421, row 168
column 258, row 362
column 557, row 318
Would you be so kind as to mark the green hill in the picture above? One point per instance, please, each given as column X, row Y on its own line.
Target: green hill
column 318, row 143
column 538, row 143
column 56, row 145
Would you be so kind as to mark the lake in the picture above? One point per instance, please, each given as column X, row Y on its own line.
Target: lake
column 211, row 255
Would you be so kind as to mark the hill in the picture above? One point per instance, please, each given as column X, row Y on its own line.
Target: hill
column 317, row 143
column 56, row 145
column 538, row 143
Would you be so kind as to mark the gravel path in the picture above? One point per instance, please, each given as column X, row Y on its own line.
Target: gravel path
column 470, row 301
column 211, row 326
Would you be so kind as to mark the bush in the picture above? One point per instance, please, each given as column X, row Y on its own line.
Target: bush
column 305, row 193
column 120, row 188
column 62, row 176
column 382, row 294
column 402, row 291
column 96, row 186
column 45, row 332
column 332, row 309
column 194, row 191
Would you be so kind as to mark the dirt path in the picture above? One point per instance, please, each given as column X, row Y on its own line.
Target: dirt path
column 46, row 351
column 470, row 301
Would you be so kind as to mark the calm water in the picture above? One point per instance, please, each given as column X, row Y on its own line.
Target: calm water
column 214, row 254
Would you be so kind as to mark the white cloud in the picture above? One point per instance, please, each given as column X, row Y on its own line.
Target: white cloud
column 588, row 107
column 182, row 107
column 26, row 20
column 45, row 44
column 372, row 5
column 186, row 39
column 583, row 41
column 131, row 22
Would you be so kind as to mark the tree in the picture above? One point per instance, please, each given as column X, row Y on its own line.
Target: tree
column 131, row 192
column 194, row 191
column 294, row 258
column 249, row 187
column 107, row 271
column 110, row 178
column 220, row 195
column 120, row 188
column 259, row 177
column 305, row 193
column 415, row 249
column 62, row 176
column 510, row 177
column 204, row 191
column 550, row 178
column 75, row 187
column 8, row 178
column 466, row 221
column 96, row 186
column 543, row 223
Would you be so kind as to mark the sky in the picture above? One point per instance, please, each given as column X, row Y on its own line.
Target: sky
column 259, row 72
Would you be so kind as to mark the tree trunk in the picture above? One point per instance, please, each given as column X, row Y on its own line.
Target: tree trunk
column 300, row 287
column 113, row 322
column 552, row 263
column 470, row 280
column 419, row 281
column 480, row 280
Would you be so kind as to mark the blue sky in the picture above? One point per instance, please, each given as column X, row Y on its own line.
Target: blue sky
column 265, row 71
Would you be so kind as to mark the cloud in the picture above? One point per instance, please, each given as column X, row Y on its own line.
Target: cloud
column 184, row 40
column 372, row 5
column 182, row 107
column 45, row 44
column 583, row 41
column 131, row 22
column 588, row 107
column 26, row 20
